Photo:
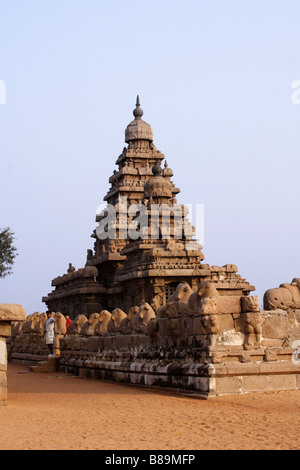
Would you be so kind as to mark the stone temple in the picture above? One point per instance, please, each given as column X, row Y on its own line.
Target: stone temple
column 122, row 272
column 146, row 310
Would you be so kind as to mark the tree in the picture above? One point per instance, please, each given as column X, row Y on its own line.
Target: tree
column 8, row 251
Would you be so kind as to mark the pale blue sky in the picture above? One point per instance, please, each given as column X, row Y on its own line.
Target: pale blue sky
column 215, row 83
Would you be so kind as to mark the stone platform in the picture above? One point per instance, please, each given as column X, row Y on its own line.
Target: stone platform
column 204, row 345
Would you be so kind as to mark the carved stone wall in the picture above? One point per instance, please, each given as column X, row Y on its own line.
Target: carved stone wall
column 207, row 355
column 199, row 343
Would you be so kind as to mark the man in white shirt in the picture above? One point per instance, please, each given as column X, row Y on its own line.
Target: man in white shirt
column 49, row 330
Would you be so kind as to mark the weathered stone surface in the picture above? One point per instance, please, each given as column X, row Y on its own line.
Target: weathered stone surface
column 3, row 388
column 216, row 305
column 276, row 327
column 285, row 296
column 230, row 338
column 3, row 367
column 272, row 343
column 3, row 354
column 88, row 328
column 227, row 385
column 115, row 321
column 260, row 383
column 76, row 325
column 175, row 356
column 250, row 303
column 12, row 312
column 103, row 320
column 140, row 320
column 92, row 344
column 5, row 329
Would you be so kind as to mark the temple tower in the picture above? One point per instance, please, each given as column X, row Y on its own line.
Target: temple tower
column 122, row 271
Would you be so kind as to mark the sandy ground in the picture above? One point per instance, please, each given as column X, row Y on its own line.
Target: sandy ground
column 59, row 412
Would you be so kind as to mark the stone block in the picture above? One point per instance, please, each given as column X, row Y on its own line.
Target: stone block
column 199, row 384
column 220, row 305
column 271, row 355
column 225, row 322
column 230, row 338
column 3, row 355
column 258, row 383
column 12, row 312
column 212, row 324
column 163, row 328
column 272, row 343
column 238, row 368
column 92, row 344
column 124, row 341
column 255, row 383
column 109, row 342
column 140, row 341
column 5, row 329
column 227, row 385
column 189, row 325
column 294, row 333
column 283, row 382
column 275, row 327
column 3, row 388
column 100, row 343
column 197, row 327
column 279, row 367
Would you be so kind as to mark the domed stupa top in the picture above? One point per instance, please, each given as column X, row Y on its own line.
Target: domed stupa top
column 138, row 129
column 157, row 186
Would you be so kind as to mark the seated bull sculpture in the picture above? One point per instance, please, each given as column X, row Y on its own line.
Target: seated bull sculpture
column 141, row 319
column 114, row 323
column 60, row 327
column 26, row 324
column 126, row 326
column 206, row 289
column 16, row 328
column 40, row 325
column 88, row 328
column 182, row 293
column 33, row 321
column 177, row 303
column 103, row 320
column 283, row 297
column 77, row 324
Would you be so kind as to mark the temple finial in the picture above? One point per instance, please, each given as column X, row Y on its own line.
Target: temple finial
column 138, row 112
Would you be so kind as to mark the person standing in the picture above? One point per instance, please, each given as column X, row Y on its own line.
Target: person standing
column 49, row 330
column 67, row 316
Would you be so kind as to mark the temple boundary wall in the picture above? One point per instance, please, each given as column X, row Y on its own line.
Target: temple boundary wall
column 206, row 346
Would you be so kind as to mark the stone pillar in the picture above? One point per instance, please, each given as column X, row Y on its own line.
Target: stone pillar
column 8, row 314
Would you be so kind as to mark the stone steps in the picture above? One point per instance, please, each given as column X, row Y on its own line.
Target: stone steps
column 50, row 365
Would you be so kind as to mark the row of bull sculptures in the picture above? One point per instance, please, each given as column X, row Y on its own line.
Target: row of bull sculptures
column 183, row 302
